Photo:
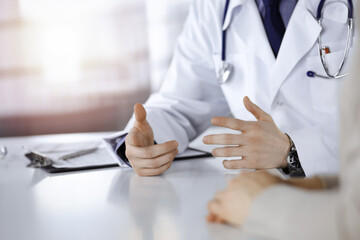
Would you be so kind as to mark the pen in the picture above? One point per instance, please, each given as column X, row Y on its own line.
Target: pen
column 78, row 153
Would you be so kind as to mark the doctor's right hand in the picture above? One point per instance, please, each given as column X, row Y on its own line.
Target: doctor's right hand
column 146, row 157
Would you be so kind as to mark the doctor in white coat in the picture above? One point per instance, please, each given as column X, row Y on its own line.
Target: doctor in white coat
column 323, row 207
column 287, row 99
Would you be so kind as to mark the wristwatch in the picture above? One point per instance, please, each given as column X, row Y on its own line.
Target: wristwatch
column 293, row 167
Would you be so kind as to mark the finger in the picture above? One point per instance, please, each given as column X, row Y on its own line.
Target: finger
column 211, row 218
column 214, row 219
column 151, row 151
column 155, row 162
column 224, row 139
column 140, row 113
column 237, row 151
column 255, row 110
column 240, row 164
column 232, row 123
column 220, row 220
column 145, row 172
column 215, row 209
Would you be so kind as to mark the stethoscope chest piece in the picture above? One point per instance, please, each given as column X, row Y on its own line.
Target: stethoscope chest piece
column 224, row 72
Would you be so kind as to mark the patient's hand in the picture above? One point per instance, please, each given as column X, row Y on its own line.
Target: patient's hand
column 233, row 204
column 146, row 158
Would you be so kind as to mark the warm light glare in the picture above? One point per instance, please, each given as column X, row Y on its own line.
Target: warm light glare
column 55, row 10
column 61, row 55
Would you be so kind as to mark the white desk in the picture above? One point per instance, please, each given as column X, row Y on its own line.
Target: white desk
column 107, row 204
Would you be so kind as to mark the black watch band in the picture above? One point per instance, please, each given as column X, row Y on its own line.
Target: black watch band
column 293, row 168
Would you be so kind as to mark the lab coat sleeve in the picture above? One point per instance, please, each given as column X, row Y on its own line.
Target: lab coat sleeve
column 317, row 149
column 115, row 145
column 190, row 95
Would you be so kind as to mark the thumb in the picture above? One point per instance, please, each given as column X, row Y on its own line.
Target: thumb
column 140, row 113
column 142, row 129
column 134, row 137
column 255, row 110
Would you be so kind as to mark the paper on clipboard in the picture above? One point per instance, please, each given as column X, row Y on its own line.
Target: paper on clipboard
column 55, row 151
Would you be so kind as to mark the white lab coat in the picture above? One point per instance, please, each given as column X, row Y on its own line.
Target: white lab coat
column 305, row 108
column 286, row 212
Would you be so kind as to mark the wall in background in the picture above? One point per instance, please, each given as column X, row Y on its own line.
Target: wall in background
column 165, row 23
column 80, row 65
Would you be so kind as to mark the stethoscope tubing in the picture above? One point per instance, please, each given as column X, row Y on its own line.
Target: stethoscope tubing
column 223, row 51
column 337, row 75
column 321, row 6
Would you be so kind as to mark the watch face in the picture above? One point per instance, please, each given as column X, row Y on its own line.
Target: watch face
column 294, row 165
column 294, row 161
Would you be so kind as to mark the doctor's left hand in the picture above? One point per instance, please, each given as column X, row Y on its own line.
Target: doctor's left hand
column 261, row 144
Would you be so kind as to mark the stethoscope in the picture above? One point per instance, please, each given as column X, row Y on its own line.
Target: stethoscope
column 226, row 68
column 323, row 50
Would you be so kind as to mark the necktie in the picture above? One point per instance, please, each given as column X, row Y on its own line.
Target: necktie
column 273, row 24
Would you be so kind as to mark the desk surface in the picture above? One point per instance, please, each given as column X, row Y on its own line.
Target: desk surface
column 110, row 203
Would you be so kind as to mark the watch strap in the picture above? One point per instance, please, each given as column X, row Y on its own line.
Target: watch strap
column 293, row 168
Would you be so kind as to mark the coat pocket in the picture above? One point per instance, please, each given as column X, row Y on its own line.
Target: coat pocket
column 325, row 92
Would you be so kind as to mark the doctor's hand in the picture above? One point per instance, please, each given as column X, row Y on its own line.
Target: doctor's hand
column 261, row 144
column 147, row 158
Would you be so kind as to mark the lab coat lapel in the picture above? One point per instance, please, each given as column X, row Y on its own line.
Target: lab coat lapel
column 300, row 36
column 250, row 28
column 230, row 14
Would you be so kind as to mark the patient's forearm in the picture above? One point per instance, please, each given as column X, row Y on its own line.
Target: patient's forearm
column 315, row 183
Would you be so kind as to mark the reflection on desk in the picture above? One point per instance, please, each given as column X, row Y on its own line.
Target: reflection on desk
column 110, row 203
column 153, row 203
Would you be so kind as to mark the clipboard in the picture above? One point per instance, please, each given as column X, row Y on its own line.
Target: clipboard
column 190, row 153
column 52, row 169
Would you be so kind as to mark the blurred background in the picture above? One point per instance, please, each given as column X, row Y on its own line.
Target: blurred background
column 80, row 65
